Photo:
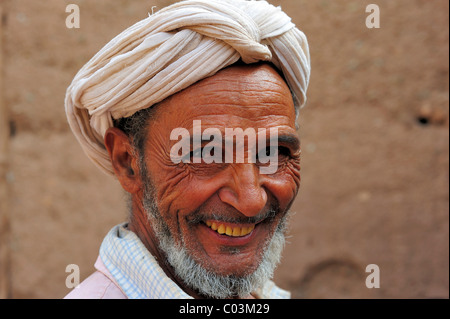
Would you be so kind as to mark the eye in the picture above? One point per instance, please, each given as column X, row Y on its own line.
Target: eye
column 284, row 151
column 194, row 156
column 273, row 152
column 214, row 151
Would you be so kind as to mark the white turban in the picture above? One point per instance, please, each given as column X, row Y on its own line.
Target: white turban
column 171, row 50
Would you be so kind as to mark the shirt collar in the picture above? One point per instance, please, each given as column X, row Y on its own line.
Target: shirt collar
column 135, row 269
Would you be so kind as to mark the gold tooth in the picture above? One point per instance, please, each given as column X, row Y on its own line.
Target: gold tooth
column 214, row 226
column 208, row 223
column 237, row 232
column 229, row 231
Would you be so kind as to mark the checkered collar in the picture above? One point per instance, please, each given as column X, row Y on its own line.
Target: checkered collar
column 135, row 270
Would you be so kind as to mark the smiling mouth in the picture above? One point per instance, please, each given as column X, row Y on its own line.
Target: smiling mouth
column 230, row 230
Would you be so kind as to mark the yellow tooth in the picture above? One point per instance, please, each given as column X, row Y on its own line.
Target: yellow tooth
column 235, row 231
column 221, row 230
column 247, row 230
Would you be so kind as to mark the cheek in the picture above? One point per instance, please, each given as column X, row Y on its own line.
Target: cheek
column 179, row 190
column 285, row 184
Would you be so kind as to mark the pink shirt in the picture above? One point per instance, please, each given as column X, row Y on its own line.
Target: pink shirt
column 99, row 285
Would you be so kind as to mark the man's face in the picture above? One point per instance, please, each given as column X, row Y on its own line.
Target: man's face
column 225, row 214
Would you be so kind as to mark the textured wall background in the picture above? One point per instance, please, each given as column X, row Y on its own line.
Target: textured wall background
column 375, row 137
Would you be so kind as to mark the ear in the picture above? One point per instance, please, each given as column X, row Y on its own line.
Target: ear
column 123, row 160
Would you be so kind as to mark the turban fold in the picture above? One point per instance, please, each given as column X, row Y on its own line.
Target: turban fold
column 173, row 49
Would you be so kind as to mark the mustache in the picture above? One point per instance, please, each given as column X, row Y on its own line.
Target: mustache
column 233, row 217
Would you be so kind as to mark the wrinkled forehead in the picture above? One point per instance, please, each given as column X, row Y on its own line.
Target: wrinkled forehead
column 239, row 96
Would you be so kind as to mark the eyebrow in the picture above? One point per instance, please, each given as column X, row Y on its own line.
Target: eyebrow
column 289, row 139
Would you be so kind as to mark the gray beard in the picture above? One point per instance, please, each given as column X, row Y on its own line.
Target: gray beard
column 206, row 282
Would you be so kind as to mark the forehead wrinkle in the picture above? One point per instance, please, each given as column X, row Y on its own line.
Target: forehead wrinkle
column 217, row 102
column 238, row 120
column 242, row 99
column 235, row 111
column 250, row 78
column 232, row 83
column 256, row 95
column 245, row 94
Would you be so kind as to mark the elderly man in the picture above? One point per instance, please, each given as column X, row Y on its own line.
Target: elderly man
column 155, row 108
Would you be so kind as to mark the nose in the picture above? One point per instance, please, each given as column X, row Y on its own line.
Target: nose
column 244, row 190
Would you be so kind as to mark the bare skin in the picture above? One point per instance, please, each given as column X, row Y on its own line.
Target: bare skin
column 188, row 195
